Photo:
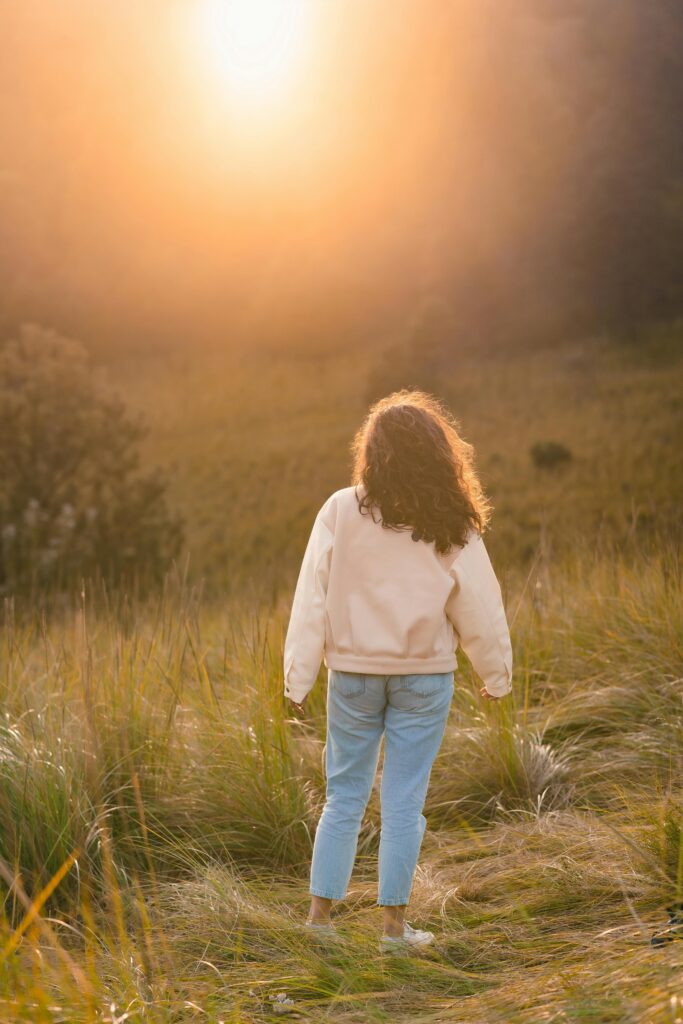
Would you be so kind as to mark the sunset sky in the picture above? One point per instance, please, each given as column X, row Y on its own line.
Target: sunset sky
column 204, row 164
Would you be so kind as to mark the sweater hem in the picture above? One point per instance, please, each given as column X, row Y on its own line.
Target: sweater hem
column 389, row 666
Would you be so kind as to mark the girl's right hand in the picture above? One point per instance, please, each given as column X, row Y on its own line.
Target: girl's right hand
column 489, row 696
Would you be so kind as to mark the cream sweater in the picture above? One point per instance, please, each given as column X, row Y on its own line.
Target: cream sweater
column 372, row 600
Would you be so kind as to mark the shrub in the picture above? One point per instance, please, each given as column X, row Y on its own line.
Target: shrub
column 72, row 499
column 548, row 454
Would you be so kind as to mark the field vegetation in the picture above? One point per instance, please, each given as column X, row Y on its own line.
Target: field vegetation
column 158, row 798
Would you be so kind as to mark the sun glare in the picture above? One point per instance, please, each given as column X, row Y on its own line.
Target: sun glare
column 255, row 45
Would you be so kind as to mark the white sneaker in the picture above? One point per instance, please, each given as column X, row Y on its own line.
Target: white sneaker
column 412, row 938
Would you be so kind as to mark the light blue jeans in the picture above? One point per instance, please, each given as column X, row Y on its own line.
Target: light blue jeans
column 411, row 712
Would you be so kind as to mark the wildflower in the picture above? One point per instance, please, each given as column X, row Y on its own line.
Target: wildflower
column 281, row 1003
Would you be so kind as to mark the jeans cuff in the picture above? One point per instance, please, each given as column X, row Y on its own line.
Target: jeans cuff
column 326, row 894
column 398, row 901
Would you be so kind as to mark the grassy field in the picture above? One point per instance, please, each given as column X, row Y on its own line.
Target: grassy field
column 157, row 808
column 256, row 442
column 158, row 802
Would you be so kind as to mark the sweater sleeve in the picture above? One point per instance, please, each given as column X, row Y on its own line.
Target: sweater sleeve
column 305, row 639
column 475, row 607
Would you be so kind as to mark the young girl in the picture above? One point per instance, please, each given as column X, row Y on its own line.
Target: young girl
column 394, row 576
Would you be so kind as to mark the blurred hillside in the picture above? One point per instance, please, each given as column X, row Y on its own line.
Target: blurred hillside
column 255, row 444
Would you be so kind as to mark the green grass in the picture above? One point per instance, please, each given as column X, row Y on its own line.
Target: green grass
column 152, row 744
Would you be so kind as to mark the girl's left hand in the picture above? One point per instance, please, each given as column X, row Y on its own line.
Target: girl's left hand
column 300, row 706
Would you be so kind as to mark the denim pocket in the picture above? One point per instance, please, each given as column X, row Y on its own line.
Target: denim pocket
column 349, row 684
column 422, row 694
column 425, row 685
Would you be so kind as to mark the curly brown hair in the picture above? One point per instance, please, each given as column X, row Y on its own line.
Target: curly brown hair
column 418, row 471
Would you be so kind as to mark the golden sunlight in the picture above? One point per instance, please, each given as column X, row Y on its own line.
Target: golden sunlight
column 255, row 45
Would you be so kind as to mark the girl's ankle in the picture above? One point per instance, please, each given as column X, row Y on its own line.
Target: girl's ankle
column 394, row 921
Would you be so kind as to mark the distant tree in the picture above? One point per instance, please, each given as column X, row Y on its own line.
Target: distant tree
column 549, row 454
column 72, row 499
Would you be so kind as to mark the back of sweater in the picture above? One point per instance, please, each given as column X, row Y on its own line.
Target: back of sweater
column 372, row 600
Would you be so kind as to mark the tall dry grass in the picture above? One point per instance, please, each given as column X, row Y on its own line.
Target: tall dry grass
column 158, row 803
